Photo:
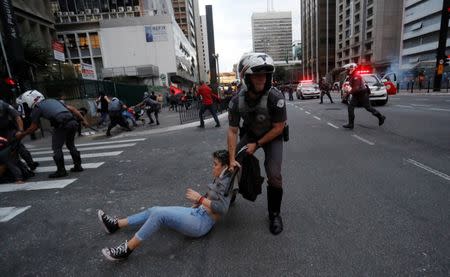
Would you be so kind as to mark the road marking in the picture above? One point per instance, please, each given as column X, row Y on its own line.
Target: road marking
column 307, row 112
column 404, row 106
column 420, row 105
column 83, row 156
column 97, row 143
column 363, row 140
column 318, row 118
column 429, row 169
column 44, row 169
column 8, row 213
column 40, row 185
column 438, row 109
column 301, row 109
column 87, row 148
column 332, row 125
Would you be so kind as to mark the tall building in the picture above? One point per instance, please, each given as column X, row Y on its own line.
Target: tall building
column 185, row 14
column 318, row 21
column 203, row 50
column 212, row 56
column 272, row 34
column 368, row 32
column 296, row 50
column 420, row 36
column 139, row 39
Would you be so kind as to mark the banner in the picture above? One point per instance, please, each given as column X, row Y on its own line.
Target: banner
column 58, row 51
column 156, row 33
column 88, row 71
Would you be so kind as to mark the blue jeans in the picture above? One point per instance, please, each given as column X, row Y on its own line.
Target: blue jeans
column 192, row 222
column 212, row 110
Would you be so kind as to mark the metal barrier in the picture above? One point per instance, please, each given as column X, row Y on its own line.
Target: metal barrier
column 189, row 111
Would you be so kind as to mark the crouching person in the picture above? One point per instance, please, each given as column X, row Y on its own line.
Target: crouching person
column 196, row 221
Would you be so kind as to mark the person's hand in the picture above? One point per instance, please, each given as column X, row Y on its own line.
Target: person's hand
column 192, row 195
column 251, row 148
column 233, row 164
column 20, row 135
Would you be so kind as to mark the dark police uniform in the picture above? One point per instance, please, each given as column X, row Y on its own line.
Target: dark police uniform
column 115, row 114
column 152, row 106
column 8, row 130
column 324, row 89
column 258, row 118
column 65, row 127
column 360, row 98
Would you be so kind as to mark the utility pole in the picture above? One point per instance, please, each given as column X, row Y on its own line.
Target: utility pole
column 440, row 56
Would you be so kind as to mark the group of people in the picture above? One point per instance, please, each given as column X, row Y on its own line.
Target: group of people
column 65, row 121
column 119, row 113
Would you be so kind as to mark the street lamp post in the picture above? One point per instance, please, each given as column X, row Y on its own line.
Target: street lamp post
column 216, row 57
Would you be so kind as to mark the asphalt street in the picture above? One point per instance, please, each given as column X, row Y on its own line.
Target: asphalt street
column 374, row 201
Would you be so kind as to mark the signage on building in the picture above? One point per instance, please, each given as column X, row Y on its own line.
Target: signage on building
column 88, row 71
column 58, row 51
column 156, row 33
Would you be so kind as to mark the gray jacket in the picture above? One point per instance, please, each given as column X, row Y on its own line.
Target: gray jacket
column 216, row 193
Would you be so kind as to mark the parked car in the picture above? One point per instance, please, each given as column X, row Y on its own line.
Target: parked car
column 307, row 89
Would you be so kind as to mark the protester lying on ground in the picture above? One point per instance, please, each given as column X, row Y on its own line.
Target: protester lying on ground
column 196, row 221
column 12, row 169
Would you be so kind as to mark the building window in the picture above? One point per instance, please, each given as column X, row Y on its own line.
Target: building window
column 369, row 35
column 369, row 12
column 356, row 39
column 369, row 23
column 368, row 58
column 368, row 46
column 95, row 41
column 356, row 28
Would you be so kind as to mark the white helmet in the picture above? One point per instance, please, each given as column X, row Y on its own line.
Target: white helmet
column 31, row 97
column 252, row 63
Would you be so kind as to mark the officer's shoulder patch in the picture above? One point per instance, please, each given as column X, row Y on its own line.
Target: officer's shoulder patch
column 280, row 103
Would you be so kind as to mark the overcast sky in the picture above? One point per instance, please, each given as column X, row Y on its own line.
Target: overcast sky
column 233, row 29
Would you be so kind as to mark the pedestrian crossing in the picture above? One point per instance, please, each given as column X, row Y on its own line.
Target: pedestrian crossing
column 99, row 151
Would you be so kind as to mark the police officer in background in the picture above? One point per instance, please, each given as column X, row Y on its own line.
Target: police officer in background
column 62, row 117
column 263, row 111
column 324, row 89
column 115, row 115
column 360, row 98
column 151, row 106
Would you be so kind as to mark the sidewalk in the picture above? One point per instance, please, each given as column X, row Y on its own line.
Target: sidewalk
column 443, row 92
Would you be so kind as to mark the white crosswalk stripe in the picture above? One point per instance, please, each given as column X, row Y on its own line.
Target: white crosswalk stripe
column 46, row 169
column 40, row 185
column 96, row 143
column 45, row 157
column 8, row 213
column 86, row 148
column 83, row 156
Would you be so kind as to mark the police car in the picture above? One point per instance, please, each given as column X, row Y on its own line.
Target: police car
column 307, row 89
column 378, row 92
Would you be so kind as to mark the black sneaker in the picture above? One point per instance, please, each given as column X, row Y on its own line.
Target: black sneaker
column 201, row 126
column 77, row 168
column 33, row 166
column 217, row 126
column 117, row 253
column 348, row 126
column 109, row 223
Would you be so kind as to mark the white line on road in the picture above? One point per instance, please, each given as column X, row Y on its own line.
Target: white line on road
column 420, row 105
column 115, row 146
column 307, row 112
column 363, row 140
column 8, row 213
column 404, row 106
column 440, row 110
column 332, row 125
column 44, row 169
column 301, row 109
column 318, row 118
column 57, row 184
column 83, row 156
column 429, row 169
column 97, row 143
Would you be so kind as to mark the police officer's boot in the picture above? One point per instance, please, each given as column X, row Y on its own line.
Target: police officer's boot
column 381, row 119
column 61, row 170
column 76, row 162
column 274, row 197
column 350, row 124
column 108, row 132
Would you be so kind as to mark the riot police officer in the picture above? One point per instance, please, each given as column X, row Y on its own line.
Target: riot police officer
column 115, row 109
column 62, row 118
column 10, row 123
column 360, row 98
column 263, row 111
column 151, row 105
column 324, row 89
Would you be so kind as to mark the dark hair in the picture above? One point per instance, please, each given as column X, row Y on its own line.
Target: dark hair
column 222, row 156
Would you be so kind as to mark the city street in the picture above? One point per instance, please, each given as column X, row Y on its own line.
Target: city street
column 369, row 202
